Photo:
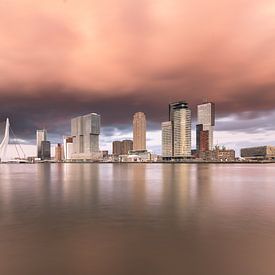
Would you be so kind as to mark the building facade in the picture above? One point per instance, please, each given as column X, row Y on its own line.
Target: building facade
column 206, row 123
column 126, row 146
column 258, row 153
column 117, row 148
column 224, row 155
column 122, row 147
column 68, row 147
column 85, row 131
column 167, row 140
column 218, row 154
column 202, row 139
column 41, row 135
column 59, row 153
column 139, row 131
column 180, row 117
column 45, row 150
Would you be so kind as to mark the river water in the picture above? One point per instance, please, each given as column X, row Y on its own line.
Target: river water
column 137, row 219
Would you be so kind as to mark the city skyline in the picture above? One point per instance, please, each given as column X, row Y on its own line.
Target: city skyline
column 137, row 137
column 57, row 63
column 154, row 138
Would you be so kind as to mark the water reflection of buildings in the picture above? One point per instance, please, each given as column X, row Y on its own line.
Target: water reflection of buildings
column 185, row 187
column 81, row 184
column 176, row 180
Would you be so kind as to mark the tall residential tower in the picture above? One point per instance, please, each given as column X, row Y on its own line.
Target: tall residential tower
column 139, row 132
column 176, row 133
column 205, row 127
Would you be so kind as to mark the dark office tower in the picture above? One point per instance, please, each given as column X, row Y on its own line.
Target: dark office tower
column 45, row 150
column 202, row 139
column 126, row 146
column 41, row 135
column 117, row 148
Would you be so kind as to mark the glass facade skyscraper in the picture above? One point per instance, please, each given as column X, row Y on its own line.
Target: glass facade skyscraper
column 176, row 133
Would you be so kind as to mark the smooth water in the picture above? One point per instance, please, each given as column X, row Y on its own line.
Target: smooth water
column 137, row 219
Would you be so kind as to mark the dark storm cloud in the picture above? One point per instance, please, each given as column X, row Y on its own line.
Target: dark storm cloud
column 53, row 108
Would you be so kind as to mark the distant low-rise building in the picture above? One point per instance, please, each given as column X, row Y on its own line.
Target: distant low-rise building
column 137, row 156
column 220, row 154
column 258, row 153
column 105, row 153
column 122, row 147
column 224, row 155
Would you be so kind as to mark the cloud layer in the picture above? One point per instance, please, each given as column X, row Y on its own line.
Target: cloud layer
column 63, row 58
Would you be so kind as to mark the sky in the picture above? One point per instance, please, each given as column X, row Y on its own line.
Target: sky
column 63, row 58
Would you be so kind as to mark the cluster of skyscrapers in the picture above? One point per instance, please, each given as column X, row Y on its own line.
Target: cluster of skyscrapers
column 83, row 143
column 176, row 133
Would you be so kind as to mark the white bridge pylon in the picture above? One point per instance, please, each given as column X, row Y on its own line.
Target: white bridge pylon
column 4, row 143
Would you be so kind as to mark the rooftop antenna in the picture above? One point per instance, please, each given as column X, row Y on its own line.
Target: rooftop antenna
column 205, row 100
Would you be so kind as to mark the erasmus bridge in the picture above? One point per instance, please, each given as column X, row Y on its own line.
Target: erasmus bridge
column 5, row 131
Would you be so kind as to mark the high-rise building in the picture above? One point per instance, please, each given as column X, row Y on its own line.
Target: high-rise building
column 41, row 135
column 167, row 141
column 68, row 147
column 180, row 117
column 126, row 146
column 45, row 150
column 59, row 153
column 116, row 148
column 85, row 131
column 202, row 139
column 139, row 131
column 206, row 118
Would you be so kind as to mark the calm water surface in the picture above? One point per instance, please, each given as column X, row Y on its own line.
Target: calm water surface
column 137, row 219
